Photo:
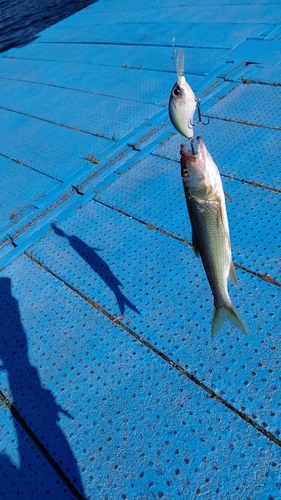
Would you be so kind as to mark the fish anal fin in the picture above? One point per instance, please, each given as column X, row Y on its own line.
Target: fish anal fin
column 232, row 274
column 194, row 245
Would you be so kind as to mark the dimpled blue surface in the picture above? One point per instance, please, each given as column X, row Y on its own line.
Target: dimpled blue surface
column 255, row 223
column 151, row 87
column 88, row 112
column 50, row 149
column 25, row 473
column 222, row 36
column 232, row 107
column 256, row 51
column 198, row 61
column 105, row 312
column 232, row 148
column 116, row 417
column 163, row 280
column 31, row 188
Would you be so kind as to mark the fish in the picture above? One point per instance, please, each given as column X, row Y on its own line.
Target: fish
column 182, row 102
column 210, row 230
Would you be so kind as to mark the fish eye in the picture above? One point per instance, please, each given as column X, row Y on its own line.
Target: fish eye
column 176, row 91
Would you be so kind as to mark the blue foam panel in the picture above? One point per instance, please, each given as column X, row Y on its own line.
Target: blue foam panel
column 143, row 86
column 55, row 151
column 268, row 74
column 77, row 110
column 220, row 35
column 198, row 61
column 250, row 103
column 181, row 14
column 98, row 314
column 253, row 214
column 25, row 472
column 23, row 188
column 120, row 421
column 241, row 151
column 5, row 247
column 256, row 51
column 166, row 299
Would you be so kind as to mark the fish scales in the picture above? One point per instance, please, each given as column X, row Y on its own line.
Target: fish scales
column 209, row 238
column 210, row 232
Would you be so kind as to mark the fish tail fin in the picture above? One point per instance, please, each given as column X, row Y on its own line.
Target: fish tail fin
column 229, row 312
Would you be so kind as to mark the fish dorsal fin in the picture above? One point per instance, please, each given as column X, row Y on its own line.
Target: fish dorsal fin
column 232, row 274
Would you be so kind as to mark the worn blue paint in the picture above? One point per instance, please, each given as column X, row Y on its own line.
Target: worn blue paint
column 31, row 187
column 96, row 272
column 5, row 247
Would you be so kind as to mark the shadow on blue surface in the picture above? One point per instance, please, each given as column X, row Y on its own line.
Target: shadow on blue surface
column 22, row 20
column 99, row 266
column 38, row 408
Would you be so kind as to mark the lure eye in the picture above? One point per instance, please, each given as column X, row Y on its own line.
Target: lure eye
column 176, row 91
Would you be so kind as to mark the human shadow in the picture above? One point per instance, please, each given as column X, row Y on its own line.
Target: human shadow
column 38, row 410
column 22, row 20
column 99, row 266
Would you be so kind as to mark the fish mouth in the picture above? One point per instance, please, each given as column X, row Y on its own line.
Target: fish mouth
column 201, row 149
column 187, row 154
column 200, row 142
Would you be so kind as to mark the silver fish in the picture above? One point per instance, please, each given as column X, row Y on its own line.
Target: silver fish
column 182, row 103
column 210, row 232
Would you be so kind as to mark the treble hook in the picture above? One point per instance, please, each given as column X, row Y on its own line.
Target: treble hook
column 198, row 101
column 192, row 145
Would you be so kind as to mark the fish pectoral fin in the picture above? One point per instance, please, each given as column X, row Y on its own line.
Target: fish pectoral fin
column 194, row 245
column 228, row 196
column 219, row 210
column 220, row 220
column 232, row 274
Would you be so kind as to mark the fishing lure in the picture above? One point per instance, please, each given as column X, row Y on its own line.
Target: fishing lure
column 183, row 103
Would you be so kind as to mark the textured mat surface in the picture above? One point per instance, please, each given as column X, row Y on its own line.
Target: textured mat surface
column 110, row 383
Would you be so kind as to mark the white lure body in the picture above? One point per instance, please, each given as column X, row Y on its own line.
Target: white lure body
column 182, row 103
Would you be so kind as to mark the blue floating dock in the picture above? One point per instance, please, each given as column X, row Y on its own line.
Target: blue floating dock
column 110, row 384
